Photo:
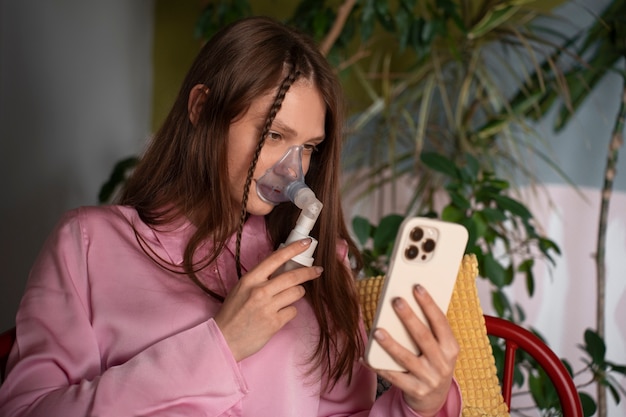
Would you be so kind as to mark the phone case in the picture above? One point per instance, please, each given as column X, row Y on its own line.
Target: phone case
column 427, row 252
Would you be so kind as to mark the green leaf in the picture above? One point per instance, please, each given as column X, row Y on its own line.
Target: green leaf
column 383, row 14
column 588, row 403
column 546, row 245
column 496, row 185
column 527, row 268
column 472, row 166
column 386, row 232
column 526, row 103
column 487, row 194
column 530, row 283
column 493, row 215
column 320, row 25
column 440, row 163
column 613, row 391
column 429, row 30
column 218, row 14
column 583, row 81
column 492, row 128
column 520, row 312
column 494, row 271
column 415, row 36
column 452, row 214
column 473, row 234
column 492, row 19
column 509, row 275
column 501, row 304
column 367, row 20
column 540, row 385
column 117, row 178
column 526, row 265
column 403, row 27
column 480, row 223
column 465, row 176
column 621, row 369
column 595, row 346
column 362, row 229
column 512, row 206
column 459, row 200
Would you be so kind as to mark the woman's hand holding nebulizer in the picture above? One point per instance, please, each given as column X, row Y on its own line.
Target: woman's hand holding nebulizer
column 256, row 308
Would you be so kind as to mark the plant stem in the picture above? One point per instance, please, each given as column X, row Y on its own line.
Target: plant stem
column 335, row 30
column 615, row 144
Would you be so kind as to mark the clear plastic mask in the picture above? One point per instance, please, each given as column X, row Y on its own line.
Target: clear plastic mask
column 284, row 179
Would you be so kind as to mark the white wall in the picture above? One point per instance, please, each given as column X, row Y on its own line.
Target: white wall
column 75, row 97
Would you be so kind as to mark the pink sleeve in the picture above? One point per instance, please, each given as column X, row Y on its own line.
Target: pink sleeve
column 55, row 367
column 392, row 403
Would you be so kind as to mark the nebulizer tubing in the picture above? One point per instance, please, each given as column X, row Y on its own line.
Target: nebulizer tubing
column 283, row 182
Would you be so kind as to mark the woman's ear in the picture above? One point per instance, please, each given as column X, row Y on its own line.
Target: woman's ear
column 197, row 98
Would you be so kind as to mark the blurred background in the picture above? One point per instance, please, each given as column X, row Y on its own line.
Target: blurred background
column 83, row 85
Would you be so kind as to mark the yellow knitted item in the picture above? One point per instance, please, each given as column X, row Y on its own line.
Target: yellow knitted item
column 475, row 368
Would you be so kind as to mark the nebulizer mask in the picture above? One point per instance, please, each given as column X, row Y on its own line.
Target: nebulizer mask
column 285, row 182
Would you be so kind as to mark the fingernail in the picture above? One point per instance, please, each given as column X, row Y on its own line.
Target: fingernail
column 419, row 289
column 398, row 303
column 319, row 269
column 306, row 241
column 379, row 335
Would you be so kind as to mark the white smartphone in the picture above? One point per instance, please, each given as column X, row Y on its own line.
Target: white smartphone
column 426, row 252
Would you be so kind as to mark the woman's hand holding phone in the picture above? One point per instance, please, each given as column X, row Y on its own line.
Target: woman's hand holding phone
column 412, row 344
column 428, row 377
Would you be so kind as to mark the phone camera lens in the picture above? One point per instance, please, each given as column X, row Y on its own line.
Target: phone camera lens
column 411, row 252
column 417, row 234
column 428, row 246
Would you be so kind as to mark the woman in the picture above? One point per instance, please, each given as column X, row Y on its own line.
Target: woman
column 162, row 305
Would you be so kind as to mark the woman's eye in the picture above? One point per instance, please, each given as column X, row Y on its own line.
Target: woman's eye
column 274, row 136
column 309, row 148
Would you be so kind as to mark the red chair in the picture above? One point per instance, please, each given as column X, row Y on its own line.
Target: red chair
column 6, row 342
column 516, row 337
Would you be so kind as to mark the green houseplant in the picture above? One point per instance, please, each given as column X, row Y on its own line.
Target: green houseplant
column 505, row 242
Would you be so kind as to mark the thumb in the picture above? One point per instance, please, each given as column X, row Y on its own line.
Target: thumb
column 270, row 264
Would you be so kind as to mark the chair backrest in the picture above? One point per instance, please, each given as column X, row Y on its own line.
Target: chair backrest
column 516, row 337
column 6, row 342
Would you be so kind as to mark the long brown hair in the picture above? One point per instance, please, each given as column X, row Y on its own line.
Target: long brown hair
column 184, row 170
